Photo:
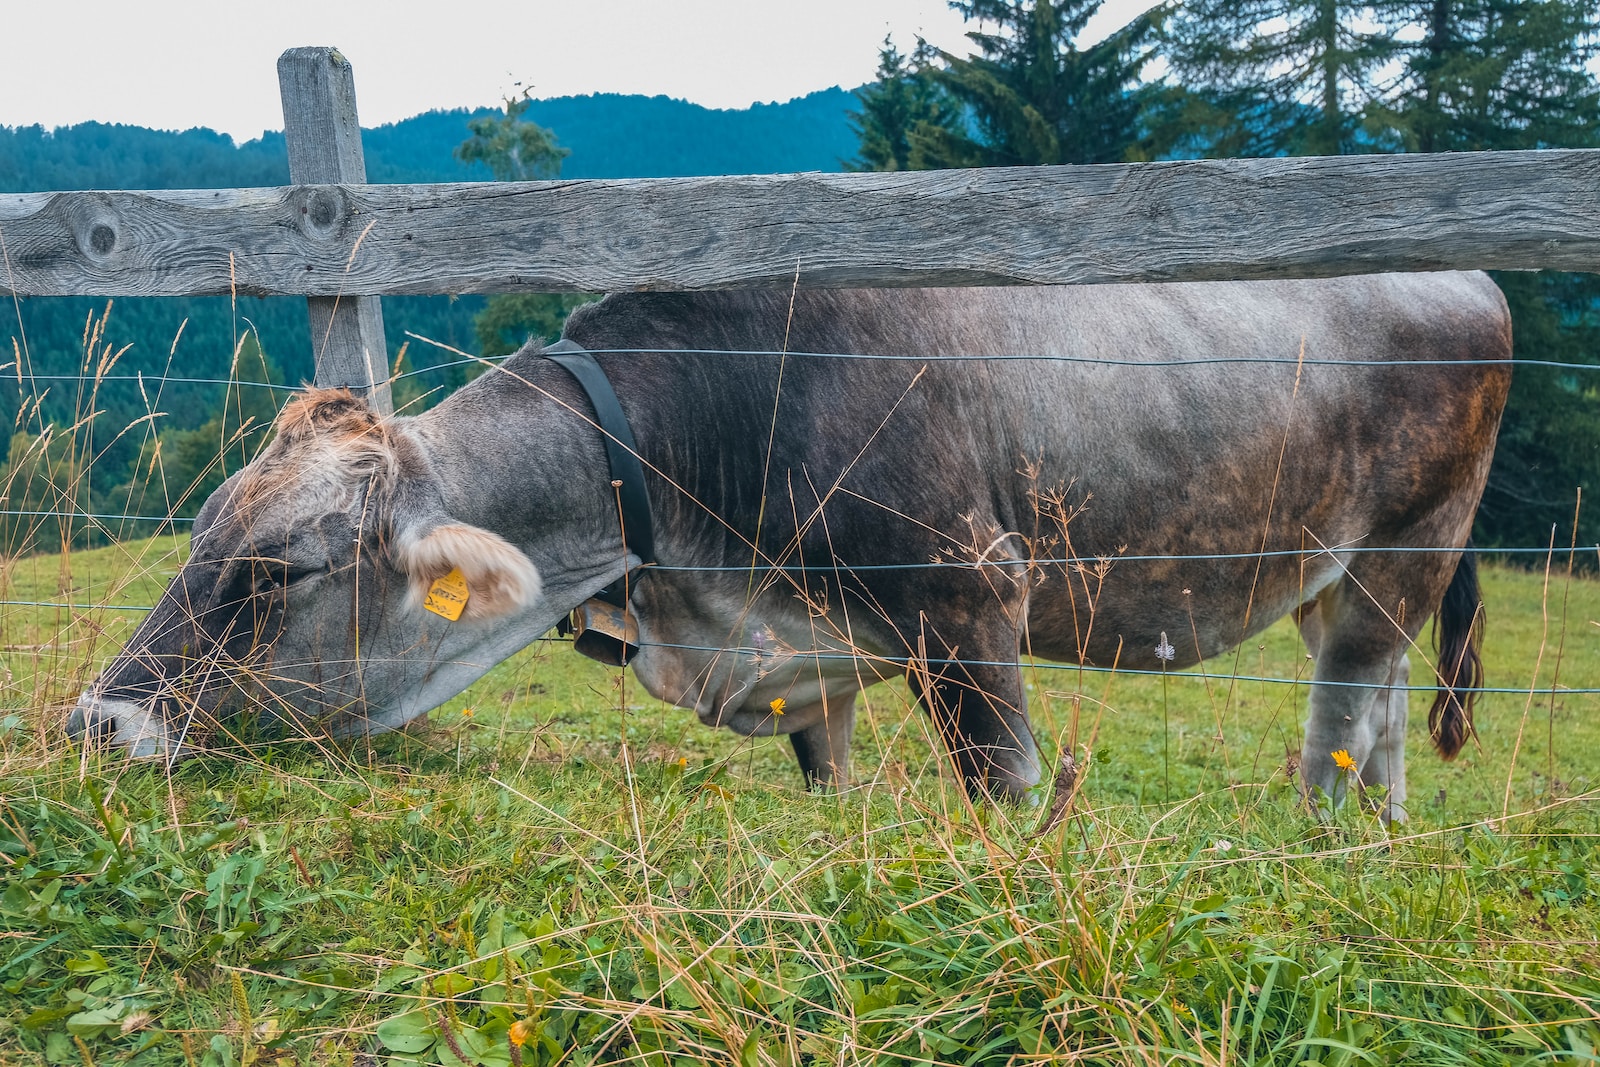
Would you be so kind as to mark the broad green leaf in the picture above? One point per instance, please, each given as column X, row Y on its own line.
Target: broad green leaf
column 93, row 1023
column 411, row 1032
column 453, row 985
column 91, row 962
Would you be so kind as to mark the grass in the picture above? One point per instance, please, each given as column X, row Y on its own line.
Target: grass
column 557, row 869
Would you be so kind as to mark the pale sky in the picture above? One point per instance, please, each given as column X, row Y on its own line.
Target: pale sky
column 175, row 64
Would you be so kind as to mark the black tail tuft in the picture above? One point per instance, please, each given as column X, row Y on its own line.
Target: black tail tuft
column 1458, row 633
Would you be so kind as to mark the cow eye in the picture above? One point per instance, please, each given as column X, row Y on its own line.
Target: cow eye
column 272, row 579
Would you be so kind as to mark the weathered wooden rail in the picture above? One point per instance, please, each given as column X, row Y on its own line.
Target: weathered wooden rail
column 344, row 244
column 1141, row 222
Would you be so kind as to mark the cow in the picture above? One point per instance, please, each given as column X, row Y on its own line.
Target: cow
column 845, row 486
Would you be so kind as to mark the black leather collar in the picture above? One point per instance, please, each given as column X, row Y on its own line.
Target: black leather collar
column 622, row 455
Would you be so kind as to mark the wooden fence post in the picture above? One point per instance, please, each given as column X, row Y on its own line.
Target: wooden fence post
column 324, row 141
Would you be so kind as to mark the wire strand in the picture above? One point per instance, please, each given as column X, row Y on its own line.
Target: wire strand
column 1098, row 361
column 1203, row 361
column 97, row 516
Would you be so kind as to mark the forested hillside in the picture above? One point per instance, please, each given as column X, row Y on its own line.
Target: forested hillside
column 610, row 136
column 172, row 341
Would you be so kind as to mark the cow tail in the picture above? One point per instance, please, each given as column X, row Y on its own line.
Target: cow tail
column 1458, row 633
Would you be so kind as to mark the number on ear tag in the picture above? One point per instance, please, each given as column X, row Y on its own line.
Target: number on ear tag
column 447, row 597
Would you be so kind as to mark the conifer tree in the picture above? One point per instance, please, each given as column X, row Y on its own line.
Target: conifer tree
column 1495, row 74
column 1274, row 77
column 1033, row 95
column 1549, row 446
column 177, row 469
column 903, row 98
column 41, row 490
column 508, row 320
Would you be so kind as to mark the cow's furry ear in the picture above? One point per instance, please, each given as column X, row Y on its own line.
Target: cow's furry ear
column 500, row 579
column 326, row 411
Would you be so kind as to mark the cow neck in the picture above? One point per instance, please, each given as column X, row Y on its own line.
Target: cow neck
column 622, row 457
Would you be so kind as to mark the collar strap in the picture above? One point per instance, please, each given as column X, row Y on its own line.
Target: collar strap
column 622, row 455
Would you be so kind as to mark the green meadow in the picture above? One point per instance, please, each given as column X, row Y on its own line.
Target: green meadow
column 557, row 869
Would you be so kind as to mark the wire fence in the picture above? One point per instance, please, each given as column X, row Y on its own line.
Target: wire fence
column 754, row 569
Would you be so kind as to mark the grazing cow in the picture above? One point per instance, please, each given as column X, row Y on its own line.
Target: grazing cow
column 823, row 522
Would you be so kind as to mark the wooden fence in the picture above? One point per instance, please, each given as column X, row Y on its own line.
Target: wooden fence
column 343, row 244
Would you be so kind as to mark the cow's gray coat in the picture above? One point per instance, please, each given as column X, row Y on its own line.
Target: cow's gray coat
column 848, row 467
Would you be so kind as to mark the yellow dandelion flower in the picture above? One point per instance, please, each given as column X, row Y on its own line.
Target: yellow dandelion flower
column 778, row 705
column 467, row 712
column 522, row 1031
column 1343, row 761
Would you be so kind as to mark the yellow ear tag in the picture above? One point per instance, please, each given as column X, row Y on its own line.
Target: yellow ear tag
column 447, row 597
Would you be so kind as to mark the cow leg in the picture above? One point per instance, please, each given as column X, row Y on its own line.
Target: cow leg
column 1386, row 766
column 1386, row 763
column 823, row 748
column 982, row 717
column 1353, row 710
column 1309, row 619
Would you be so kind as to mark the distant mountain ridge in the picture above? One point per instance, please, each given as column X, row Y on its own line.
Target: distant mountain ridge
column 610, row 136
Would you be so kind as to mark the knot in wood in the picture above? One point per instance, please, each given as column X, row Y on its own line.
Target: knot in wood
column 94, row 224
column 323, row 210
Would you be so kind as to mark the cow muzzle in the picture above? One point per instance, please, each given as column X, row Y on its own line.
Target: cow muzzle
column 135, row 728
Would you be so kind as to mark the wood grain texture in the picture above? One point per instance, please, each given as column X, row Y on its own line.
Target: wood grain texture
column 1260, row 218
column 323, row 137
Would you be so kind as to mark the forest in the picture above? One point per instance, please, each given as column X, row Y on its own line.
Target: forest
column 1211, row 78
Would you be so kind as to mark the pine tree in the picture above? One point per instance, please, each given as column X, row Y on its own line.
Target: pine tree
column 408, row 392
column 1495, row 74
column 510, row 319
column 42, row 489
column 1273, row 77
column 903, row 98
column 1033, row 96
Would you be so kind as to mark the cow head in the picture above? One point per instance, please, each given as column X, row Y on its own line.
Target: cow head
column 304, row 594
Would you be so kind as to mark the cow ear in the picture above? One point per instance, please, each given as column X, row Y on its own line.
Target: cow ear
column 500, row 579
column 335, row 412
